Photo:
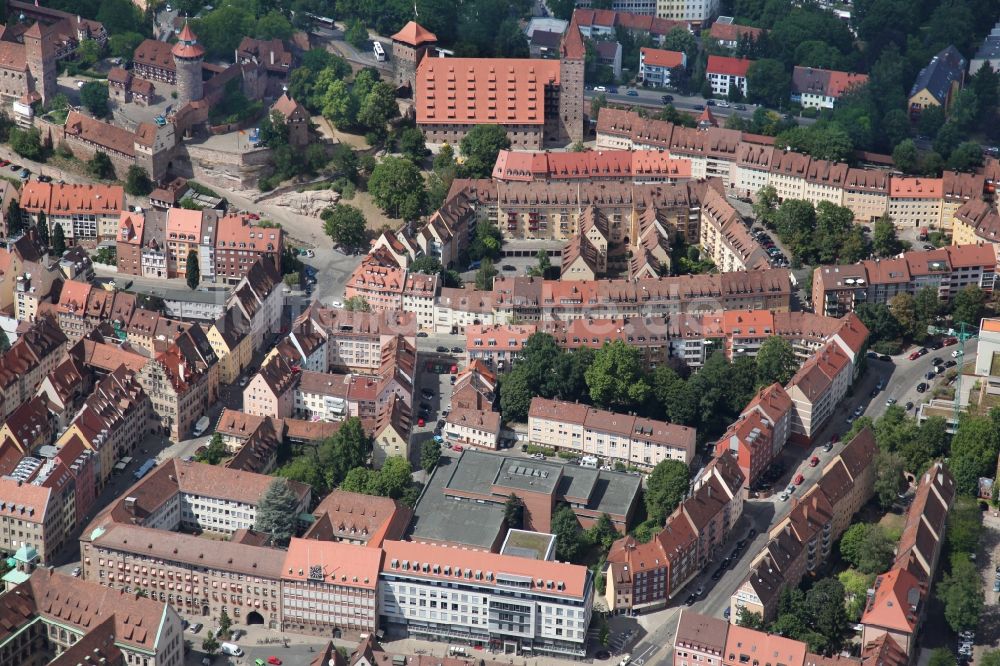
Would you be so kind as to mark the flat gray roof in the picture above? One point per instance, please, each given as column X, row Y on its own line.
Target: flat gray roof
column 614, row 492
column 530, row 475
column 438, row 517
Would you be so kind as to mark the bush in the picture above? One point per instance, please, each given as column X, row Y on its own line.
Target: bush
column 534, row 448
column 345, row 187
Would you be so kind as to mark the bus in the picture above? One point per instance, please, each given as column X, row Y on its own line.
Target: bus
column 144, row 469
column 379, row 51
column 323, row 21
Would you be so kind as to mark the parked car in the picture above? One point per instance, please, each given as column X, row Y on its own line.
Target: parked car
column 740, row 107
column 76, row 572
column 949, row 341
column 798, row 479
column 784, row 495
column 956, row 353
column 890, row 402
column 632, row 93
column 667, row 99
column 931, row 374
column 937, row 360
column 196, row 627
column 886, row 358
column 921, row 387
column 909, row 405
column 709, row 102
column 457, row 350
column 814, row 461
column 509, row 267
column 441, row 349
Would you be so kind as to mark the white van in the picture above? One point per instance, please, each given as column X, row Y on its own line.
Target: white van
column 201, row 426
column 232, row 649
column 589, row 461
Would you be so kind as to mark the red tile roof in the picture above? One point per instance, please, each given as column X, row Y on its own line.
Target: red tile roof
column 730, row 32
column 340, row 563
column 896, row 603
column 661, row 57
column 726, row 65
column 470, row 91
column 71, row 199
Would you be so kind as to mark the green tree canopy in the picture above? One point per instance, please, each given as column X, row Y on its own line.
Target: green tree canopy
column 430, row 454
column 394, row 184
column 192, row 270
column 94, row 96
column 345, row 224
column 961, row 591
column 569, row 536
column 137, row 182
column 666, row 487
column 776, row 361
column 277, row 513
column 867, row 547
column 616, row 378
column 480, row 147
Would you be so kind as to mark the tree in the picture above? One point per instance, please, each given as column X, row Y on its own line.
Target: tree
column 224, row 623
column 544, row 264
column 376, row 108
column 931, row 121
column 879, row 321
column 941, row 657
column 484, row 276
column 94, row 96
column 357, row 304
column 88, row 52
column 43, row 229
column 597, row 103
column 4, row 341
column 123, row 45
column 26, row 143
column 961, row 591
column 967, row 156
column 906, row 157
column 827, row 617
column 100, row 166
column 856, row 586
column 569, row 540
column 392, row 181
column 666, row 487
column 210, row 645
column 137, row 181
column 768, row 82
column 430, row 454
column 884, row 240
column 193, row 270
column 513, row 512
column 968, row 305
column 356, row 34
column 749, row 619
column 990, row 657
column 338, row 105
column 616, row 377
column 345, row 224
column 889, row 477
column 480, row 146
column 214, row 452
column 867, row 547
column 411, row 143
column 278, row 513
column 904, row 311
column 15, row 219
column 273, row 25
column 603, row 533
column 973, row 452
column 675, row 396
column 965, row 526
column 515, row 396
column 348, row 448
column 487, row 242
column 58, row 241
column 776, row 361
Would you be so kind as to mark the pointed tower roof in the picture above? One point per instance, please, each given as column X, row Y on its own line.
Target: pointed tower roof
column 572, row 46
column 706, row 119
column 187, row 45
column 414, row 34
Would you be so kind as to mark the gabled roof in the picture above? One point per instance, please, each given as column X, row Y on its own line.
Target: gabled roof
column 945, row 68
column 896, row 602
column 728, row 66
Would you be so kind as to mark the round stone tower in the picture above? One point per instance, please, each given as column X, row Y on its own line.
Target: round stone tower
column 188, row 55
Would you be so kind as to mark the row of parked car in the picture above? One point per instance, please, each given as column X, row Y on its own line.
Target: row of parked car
column 778, row 257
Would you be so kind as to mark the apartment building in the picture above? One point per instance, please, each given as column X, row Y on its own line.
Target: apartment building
column 613, row 437
column 33, row 516
column 51, row 613
column 260, row 298
column 85, row 212
column 196, row 576
column 915, row 202
column 392, row 431
column 725, row 74
column 473, row 427
column 817, row 88
column 839, row 289
column 697, row 12
column 637, row 167
column 330, row 586
column 975, row 222
column 802, row 541
column 271, row 392
column 319, row 396
column 644, row 576
column 239, row 243
column 750, row 442
column 866, row 193
column 501, row 602
column 899, row 604
column 730, row 35
column 816, row 390
column 115, row 418
column 360, row 520
column 775, row 407
column 15, row 259
column 82, row 307
column 233, row 346
column 354, row 340
column 498, row 345
column 391, row 288
column 179, row 391
column 655, row 65
column 726, row 239
column 31, row 358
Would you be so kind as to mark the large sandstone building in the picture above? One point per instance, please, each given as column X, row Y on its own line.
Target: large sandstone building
column 538, row 102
